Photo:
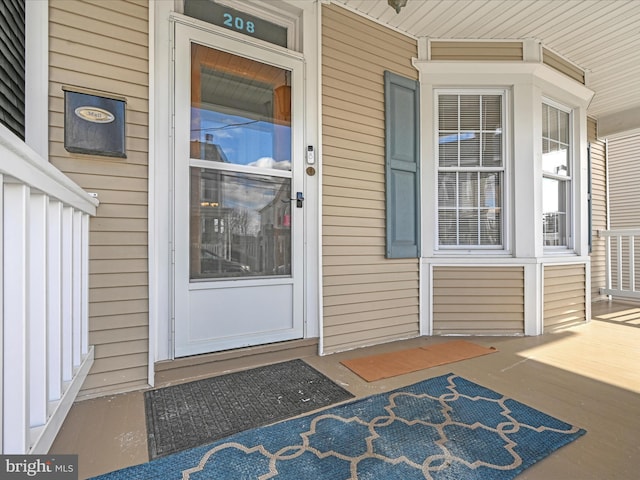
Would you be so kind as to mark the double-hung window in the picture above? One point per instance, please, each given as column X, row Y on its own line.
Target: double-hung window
column 556, row 176
column 471, row 169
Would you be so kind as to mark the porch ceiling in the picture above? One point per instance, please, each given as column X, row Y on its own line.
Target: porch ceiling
column 601, row 36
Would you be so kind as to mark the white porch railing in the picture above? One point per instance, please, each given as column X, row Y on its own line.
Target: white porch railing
column 622, row 276
column 44, row 338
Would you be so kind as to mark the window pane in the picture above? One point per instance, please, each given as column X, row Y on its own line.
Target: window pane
column 448, row 150
column 492, row 149
column 447, row 189
column 468, row 224
column 555, row 145
column 490, row 209
column 470, row 112
column 563, row 127
column 240, row 225
column 492, row 113
column 470, row 208
column 468, row 190
column 448, row 113
column 447, row 227
column 469, row 149
column 240, row 110
column 555, row 211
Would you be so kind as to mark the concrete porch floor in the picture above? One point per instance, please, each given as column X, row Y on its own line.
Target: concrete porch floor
column 587, row 375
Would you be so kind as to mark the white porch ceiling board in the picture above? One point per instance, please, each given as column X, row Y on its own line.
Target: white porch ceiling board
column 601, row 36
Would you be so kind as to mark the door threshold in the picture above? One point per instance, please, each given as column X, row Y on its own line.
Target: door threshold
column 180, row 370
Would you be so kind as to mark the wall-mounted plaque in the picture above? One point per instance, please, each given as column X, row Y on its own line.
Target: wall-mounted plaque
column 94, row 124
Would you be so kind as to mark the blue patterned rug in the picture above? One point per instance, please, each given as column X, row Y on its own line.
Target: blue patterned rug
column 443, row 428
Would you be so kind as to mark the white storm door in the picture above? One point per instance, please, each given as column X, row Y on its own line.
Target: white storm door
column 238, row 239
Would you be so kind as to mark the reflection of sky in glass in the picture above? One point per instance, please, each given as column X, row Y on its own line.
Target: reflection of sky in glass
column 245, row 141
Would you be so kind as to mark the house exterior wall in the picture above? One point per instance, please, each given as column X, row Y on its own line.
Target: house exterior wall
column 103, row 46
column 564, row 295
column 367, row 298
column 478, row 300
column 598, row 209
column 624, row 178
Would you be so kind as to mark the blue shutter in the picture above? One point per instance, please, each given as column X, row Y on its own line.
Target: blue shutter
column 402, row 160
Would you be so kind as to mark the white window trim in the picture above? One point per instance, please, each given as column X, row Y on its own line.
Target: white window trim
column 504, row 248
column 571, row 221
column 36, row 115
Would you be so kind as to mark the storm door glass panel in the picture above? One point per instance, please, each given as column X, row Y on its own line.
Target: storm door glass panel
column 240, row 225
column 240, row 110
column 240, row 187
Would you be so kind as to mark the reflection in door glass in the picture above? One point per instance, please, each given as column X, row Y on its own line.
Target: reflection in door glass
column 240, row 225
column 240, row 110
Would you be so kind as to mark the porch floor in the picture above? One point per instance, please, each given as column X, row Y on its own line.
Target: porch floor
column 587, row 375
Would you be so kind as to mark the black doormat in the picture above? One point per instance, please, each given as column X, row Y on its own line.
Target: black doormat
column 191, row 414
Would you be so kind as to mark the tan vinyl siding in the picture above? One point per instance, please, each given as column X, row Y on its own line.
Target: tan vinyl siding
column 564, row 295
column 490, row 51
column 103, row 46
column 624, row 198
column 624, row 178
column 367, row 299
column 598, row 209
column 478, row 300
column 555, row 61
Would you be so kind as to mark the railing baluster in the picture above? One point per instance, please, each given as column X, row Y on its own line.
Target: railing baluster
column 38, row 309
column 85, row 284
column 77, row 289
column 54, row 289
column 619, row 263
column 67, row 294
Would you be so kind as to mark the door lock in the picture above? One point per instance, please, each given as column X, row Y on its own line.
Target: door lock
column 299, row 199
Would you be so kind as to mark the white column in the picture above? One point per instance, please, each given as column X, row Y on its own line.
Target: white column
column 67, row 293
column 38, row 309
column 16, row 327
column 54, row 300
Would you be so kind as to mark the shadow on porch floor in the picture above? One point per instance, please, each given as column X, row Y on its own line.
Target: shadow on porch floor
column 587, row 375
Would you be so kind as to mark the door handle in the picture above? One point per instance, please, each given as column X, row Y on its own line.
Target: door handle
column 299, row 199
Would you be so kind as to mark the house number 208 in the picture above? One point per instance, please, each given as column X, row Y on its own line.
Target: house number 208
column 238, row 23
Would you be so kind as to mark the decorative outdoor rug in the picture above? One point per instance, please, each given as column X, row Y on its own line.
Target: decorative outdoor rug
column 385, row 365
column 192, row 414
column 443, row 428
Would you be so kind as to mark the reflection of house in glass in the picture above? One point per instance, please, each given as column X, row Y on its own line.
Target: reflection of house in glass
column 234, row 233
column 275, row 233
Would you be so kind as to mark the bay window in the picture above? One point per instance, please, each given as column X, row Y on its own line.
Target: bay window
column 471, row 169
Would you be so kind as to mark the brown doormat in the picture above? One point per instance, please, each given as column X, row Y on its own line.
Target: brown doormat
column 385, row 365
